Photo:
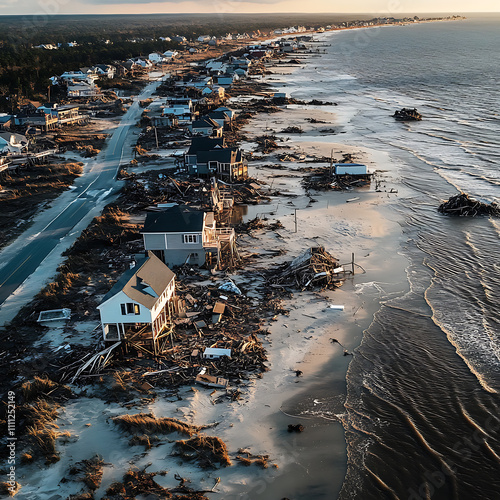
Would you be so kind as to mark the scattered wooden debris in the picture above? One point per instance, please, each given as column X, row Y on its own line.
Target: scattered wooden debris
column 139, row 483
column 315, row 267
column 464, row 206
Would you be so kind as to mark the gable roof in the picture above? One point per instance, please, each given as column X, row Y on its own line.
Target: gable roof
column 205, row 144
column 219, row 115
column 205, row 122
column 144, row 283
column 175, row 219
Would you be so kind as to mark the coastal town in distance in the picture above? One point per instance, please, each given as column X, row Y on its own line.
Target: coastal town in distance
column 194, row 242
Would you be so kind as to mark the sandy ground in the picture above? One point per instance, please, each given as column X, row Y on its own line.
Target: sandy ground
column 301, row 340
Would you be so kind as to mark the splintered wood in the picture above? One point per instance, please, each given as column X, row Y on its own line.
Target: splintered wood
column 314, row 268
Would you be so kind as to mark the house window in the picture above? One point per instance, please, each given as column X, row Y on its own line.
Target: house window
column 191, row 238
column 130, row 308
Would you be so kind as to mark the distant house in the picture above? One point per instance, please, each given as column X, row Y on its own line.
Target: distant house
column 229, row 112
column 183, row 235
column 83, row 89
column 170, row 54
column 156, row 58
column 104, row 70
column 65, row 114
column 5, row 121
column 205, row 126
column 12, row 143
column 79, row 76
column 140, row 307
column 143, row 62
column 216, row 67
column 164, row 120
column 227, row 80
column 183, row 112
column 203, row 38
column 220, row 117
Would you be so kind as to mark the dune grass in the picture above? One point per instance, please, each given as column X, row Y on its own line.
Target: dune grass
column 147, row 423
column 206, row 450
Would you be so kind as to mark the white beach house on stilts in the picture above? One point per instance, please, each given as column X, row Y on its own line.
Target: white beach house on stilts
column 138, row 310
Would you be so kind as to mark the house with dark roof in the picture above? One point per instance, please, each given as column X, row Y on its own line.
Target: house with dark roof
column 140, row 306
column 206, row 126
column 225, row 163
column 183, row 235
column 209, row 157
column 200, row 143
column 220, row 117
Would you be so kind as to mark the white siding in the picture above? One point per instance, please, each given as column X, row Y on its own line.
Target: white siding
column 111, row 311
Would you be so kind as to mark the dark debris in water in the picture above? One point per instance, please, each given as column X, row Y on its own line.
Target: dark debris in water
column 464, row 206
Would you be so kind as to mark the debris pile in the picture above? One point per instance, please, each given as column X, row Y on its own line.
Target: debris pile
column 465, row 206
column 324, row 179
column 315, row 267
column 139, row 483
column 407, row 114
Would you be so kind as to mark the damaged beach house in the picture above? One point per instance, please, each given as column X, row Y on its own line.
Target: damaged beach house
column 140, row 307
column 181, row 235
column 209, row 157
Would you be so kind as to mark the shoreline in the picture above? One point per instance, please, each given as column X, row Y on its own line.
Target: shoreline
column 293, row 344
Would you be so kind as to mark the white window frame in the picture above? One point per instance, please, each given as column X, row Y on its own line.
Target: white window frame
column 191, row 238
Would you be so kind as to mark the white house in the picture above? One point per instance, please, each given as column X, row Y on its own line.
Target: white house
column 139, row 308
column 183, row 112
column 156, row 58
column 104, row 70
column 79, row 76
column 169, row 54
column 82, row 89
column 12, row 143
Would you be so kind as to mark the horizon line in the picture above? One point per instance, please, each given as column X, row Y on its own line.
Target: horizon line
column 381, row 14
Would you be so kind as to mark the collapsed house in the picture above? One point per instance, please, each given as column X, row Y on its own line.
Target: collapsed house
column 183, row 235
column 139, row 308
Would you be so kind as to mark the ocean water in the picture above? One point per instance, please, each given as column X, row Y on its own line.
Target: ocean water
column 422, row 413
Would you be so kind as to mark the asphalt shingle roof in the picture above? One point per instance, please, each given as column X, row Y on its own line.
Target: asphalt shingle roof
column 175, row 219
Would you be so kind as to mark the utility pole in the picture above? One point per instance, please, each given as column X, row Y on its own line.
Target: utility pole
column 156, row 137
column 295, row 211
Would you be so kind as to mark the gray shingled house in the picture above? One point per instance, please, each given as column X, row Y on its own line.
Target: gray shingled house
column 183, row 235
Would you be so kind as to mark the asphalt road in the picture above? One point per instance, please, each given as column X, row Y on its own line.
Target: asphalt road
column 98, row 184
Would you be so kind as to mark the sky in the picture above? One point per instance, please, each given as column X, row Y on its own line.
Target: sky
column 375, row 7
